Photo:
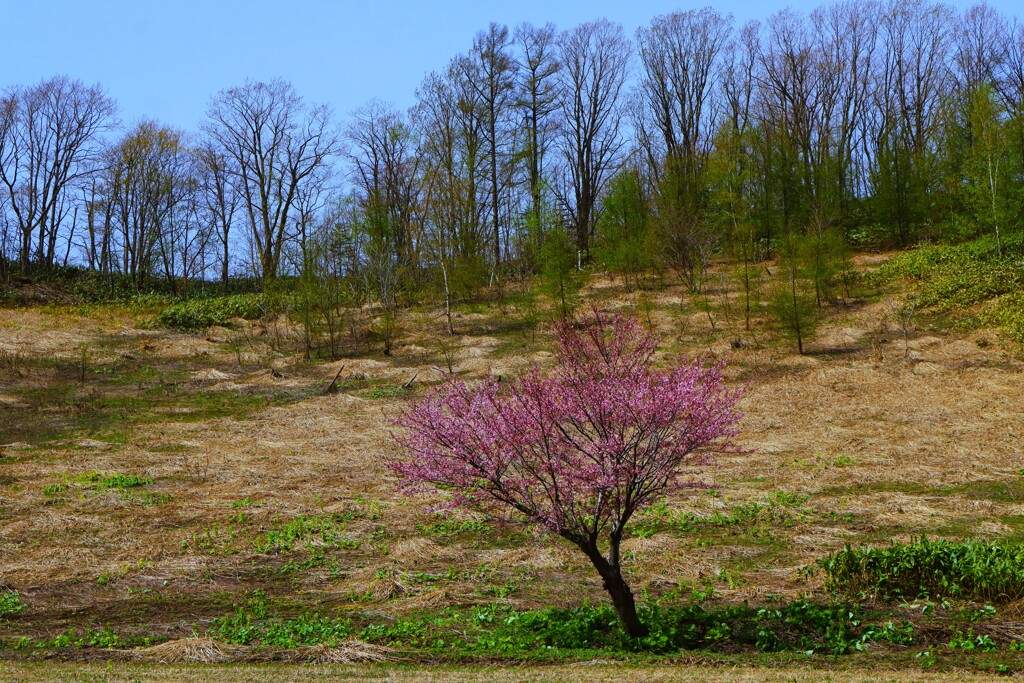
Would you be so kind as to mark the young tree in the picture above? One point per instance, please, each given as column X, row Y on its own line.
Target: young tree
column 625, row 237
column 578, row 452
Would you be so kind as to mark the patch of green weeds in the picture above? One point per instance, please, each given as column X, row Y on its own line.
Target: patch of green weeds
column 822, row 461
column 387, row 391
column 200, row 314
column 10, row 603
column 971, row 643
column 103, row 638
column 93, row 483
column 254, row 622
column 961, row 276
column 972, row 570
column 110, row 576
column 493, row 628
column 309, row 532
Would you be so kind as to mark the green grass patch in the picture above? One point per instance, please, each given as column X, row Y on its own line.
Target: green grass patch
column 388, row 391
column 92, row 483
column 759, row 517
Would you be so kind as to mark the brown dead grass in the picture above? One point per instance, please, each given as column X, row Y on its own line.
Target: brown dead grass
column 349, row 652
column 192, row 651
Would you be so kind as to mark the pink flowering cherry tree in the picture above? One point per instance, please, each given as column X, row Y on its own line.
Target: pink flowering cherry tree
column 578, row 451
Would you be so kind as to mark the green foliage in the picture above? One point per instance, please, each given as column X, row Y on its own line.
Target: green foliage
column 322, row 297
column 992, row 194
column 495, row 629
column 199, row 314
column 959, row 277
column 561, row 279
column 626, row 242
column 104, row 638
column 1007, row 313
column 97, row 482
column 971, row 643
column 10, row 603
column 251, row 624
column 972, row 570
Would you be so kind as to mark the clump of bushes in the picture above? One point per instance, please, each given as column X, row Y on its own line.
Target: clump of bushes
column 1007, row 313
column 962, row 275
column 972, row 570
column 199, row 314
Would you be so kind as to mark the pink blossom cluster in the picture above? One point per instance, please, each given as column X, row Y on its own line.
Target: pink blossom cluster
column 580, row 450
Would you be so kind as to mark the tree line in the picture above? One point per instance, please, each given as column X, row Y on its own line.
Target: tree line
column 879, row 123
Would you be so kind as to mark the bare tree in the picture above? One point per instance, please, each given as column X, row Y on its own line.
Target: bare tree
column 491, row 71
column 149, row 177
column 383, row 152
column 450, row 120
column 981, row 46
column 680, row 54
column 220, row 199
column 538, row 100
column 595, row 58
column 277, row 143
column 49, row 140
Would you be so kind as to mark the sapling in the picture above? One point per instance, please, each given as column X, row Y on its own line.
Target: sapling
column 578, row 451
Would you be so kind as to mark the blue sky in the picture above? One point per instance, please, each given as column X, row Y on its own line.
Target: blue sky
column 164, row 59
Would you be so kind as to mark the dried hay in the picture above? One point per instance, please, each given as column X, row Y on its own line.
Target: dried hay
column 927, row 369
column 415, row 550
column 437, row 599
column 349, row 652
column 194, row 650
column 381, row 582
column 211, row 375
column 643, row 546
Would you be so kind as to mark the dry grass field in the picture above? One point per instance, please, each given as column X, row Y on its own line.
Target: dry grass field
column 153, row 481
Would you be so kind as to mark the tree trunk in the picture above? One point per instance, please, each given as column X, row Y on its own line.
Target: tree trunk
column 618, row 590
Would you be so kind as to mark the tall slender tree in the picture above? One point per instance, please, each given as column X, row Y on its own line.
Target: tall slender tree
column 595, row 58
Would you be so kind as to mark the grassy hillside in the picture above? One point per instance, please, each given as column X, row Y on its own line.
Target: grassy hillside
column 177, row 496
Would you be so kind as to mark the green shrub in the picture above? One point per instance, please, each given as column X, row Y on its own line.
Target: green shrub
column 972, row 570
column 10, row 603
column 199, row 314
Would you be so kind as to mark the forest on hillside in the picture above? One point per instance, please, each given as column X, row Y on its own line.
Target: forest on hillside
column 543, row 151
